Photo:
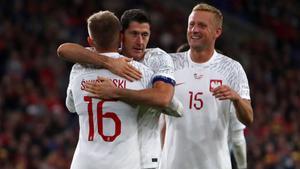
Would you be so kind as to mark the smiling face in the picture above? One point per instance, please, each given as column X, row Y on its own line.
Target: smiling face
column 135, row 40
column 202, row 30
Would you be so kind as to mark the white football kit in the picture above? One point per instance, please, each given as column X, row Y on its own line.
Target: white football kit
column 149, row 134
column 108, row 135
column 199, row 140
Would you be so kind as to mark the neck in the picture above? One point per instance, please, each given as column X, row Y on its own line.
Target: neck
column 124, row 53
column 201, row 56
column 106, row 50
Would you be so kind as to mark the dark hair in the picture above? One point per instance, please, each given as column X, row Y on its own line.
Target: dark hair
column 132, row 15
column 104, row 27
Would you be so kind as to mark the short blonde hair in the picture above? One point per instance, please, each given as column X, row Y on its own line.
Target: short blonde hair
column 104, row 28
column 209, row 8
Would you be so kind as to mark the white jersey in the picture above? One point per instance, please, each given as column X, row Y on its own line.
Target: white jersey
column 159, row 62
column 108, row 135
column 149, row 134
column 198, row 140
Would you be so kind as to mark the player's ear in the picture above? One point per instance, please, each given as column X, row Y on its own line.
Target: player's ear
column 90, row 41
column 218, row 32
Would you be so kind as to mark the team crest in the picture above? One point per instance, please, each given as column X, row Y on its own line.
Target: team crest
column 214, row 83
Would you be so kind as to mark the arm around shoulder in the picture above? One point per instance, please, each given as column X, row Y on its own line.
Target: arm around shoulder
column 78, row 54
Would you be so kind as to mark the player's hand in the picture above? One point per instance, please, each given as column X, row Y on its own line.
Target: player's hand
column 102, row 88
column 224, row 92
column 121, row 67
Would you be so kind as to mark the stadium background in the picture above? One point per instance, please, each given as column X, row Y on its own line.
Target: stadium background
column 36, row 130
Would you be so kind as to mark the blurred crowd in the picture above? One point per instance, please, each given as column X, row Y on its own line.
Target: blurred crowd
column 36, row 130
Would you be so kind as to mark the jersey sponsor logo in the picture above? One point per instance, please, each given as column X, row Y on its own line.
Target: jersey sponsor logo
column 198, row 76
column 214, row 83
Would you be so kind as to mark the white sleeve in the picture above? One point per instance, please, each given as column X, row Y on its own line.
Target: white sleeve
column 238, row 144
column 160, row 62
column 69, row 99
column 146, row 72
column 240, row 84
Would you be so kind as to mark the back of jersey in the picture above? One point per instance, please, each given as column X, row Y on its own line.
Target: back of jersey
column 108, row 128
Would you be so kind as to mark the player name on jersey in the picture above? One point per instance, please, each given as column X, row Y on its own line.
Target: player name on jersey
column 119, row 83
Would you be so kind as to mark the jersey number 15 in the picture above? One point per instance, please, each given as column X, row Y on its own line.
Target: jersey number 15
column 195, row 101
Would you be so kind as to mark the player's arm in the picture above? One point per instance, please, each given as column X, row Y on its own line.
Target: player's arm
column 238, row 93
column 244, row 110
column 78, row 54
column 238, row 143
column 243, row 107
column 160, row 95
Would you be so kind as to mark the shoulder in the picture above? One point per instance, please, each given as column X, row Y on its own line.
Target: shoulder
column 151, row 51
column 156, row 54
column 140, row 66
column 158, row 60
column 76, row 69
column 145, row 70
column 231, row 69
column 224, row 62
column 180, row 60
column 179, row 55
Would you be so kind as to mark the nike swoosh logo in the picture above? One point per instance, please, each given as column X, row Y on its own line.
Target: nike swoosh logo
column 177, row 84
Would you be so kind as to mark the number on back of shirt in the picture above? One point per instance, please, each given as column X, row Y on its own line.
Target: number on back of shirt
column 100, row 116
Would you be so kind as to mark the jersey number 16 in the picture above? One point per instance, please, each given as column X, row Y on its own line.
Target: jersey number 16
column 100, row 116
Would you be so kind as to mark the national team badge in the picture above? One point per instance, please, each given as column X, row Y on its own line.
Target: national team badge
column 214, row 83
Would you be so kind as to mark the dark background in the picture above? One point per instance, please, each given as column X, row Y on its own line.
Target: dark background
column 36, row 130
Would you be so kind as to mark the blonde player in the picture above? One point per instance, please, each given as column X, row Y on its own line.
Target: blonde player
column 108, row 135
column 236, row 138
column 212, row 88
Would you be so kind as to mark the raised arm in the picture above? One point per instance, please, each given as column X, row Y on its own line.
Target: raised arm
column 78, row 54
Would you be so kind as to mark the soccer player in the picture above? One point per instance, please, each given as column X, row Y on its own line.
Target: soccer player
column 236, row 138
column 134, row 37
column 108, row 135
column 212, row 87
